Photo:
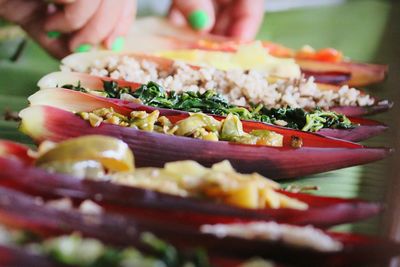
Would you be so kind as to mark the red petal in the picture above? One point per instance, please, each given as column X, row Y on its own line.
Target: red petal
column 155, row 149
column 361, row 74
column 12, row 149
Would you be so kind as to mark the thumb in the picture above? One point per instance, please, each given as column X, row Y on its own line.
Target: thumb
column 200, row 15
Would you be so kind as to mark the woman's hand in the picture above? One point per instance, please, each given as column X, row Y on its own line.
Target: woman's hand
column 92, row 22
column 234, row 18
column 72, row 25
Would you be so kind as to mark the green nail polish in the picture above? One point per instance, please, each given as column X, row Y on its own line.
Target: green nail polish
column 83, row 48
column 198, row 19
column 118, row 44
column 53, row 34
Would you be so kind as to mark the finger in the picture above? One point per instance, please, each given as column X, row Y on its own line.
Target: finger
column 72, row 16
column 223, row 21
column 35, row 29
column 199, row 14
column 176, row 16
column 246, row 19
column 99, row 26
column 115, row 40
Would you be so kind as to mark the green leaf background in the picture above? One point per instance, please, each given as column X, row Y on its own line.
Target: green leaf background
column 355, row 27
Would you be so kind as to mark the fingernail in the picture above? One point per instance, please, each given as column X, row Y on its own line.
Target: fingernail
column 198, row 19
column 83, row 48
column 53, row 34
column 118, row 44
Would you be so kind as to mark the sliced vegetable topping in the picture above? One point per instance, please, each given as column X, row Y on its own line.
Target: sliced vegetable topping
column 184, row 178
column 83, row 152
column 220, row 183
column 198, row 125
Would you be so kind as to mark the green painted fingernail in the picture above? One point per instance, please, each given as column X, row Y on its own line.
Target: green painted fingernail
column 118, row 44
column 83, row 48
column 53, row 34
column 198, row 19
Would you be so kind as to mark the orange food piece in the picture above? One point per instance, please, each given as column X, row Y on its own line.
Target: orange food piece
column 325, row 54
column 278, row 50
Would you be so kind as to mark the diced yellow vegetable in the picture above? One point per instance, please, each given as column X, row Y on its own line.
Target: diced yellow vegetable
column 197, row 121
column 212, row 136
column 95, row 120
column 287, row 202
column 267, row 138
column 272, row 198
column 264, row 182
column 231, row 127
column 143, row 120
column 223, row 166
column 245, row 197
column 185, row 168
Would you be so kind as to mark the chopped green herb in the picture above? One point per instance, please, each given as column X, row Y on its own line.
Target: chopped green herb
column 112, row 89
column 78, row 87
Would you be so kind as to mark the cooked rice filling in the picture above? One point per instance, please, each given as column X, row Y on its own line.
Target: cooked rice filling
column 240, row 87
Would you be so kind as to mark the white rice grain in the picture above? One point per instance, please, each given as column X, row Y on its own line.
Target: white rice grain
column 239, row 87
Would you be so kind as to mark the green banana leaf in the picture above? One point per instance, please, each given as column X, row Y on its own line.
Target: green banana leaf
column 355, row 27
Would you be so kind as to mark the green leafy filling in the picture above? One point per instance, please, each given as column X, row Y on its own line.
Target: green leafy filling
column 211, row 102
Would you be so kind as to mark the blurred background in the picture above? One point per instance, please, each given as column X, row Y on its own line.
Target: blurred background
column 365, row 30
